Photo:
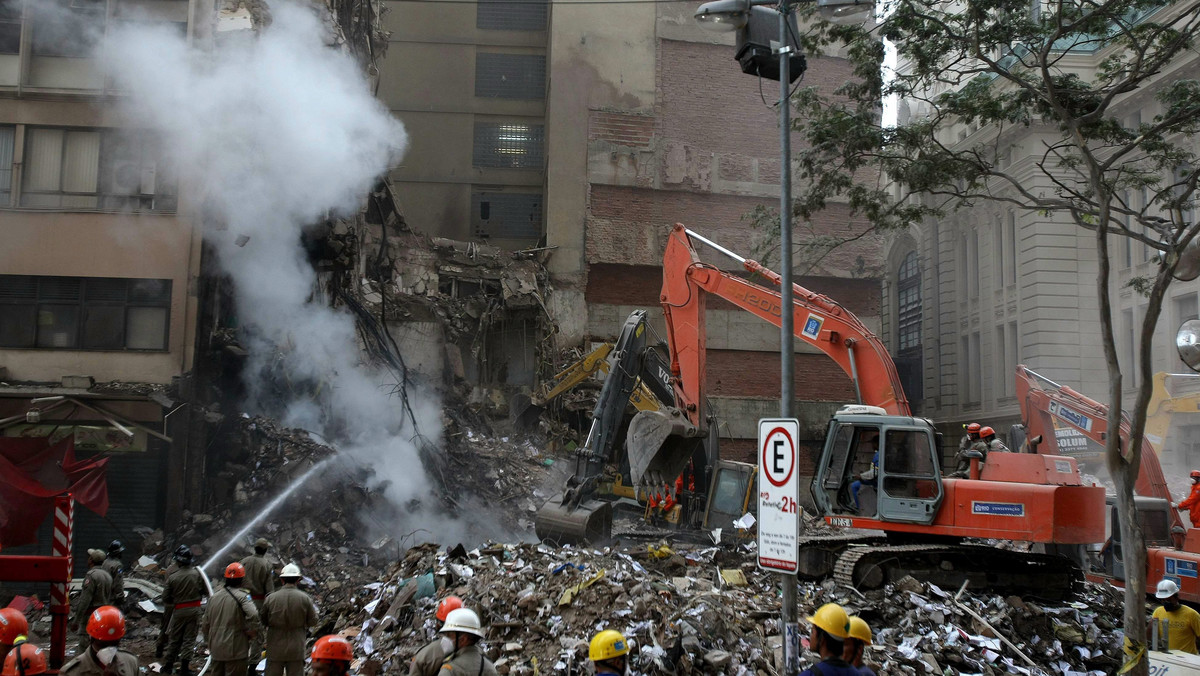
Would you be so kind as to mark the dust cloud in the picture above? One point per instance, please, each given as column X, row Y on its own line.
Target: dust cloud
column 271, row 134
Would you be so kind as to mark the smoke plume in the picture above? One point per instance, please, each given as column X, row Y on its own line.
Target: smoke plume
column 274, row 133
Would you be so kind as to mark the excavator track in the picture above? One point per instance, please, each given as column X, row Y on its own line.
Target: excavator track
column 948, row 566
column 819, row 553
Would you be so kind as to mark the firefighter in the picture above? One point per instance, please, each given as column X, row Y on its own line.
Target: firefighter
column 116, row 568
column 857, row 640
column 1192, row 501
column 287, row 615
column 988, row 438
column 609, row 652
column 331, row 656
column 106, row 627
column 260, row 581
column 466, row 659
column 830, row 627
column 1183, row 622
column 428, row 660
column 26, row 659
column 13, row 625
column 229, row 623
column 970, row 437
column 95, row 592
column 181, row 598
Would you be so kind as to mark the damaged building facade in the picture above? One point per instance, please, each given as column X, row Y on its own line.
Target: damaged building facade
column 589, row 130
column 98, row 315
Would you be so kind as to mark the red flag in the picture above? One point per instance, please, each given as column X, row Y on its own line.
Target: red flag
column 32, row 472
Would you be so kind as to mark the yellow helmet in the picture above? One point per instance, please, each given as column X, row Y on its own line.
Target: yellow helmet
column 607, row 645
column 860, row 630
column 832, row 619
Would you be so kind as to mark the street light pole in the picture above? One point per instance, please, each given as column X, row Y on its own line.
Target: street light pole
column 787, row 315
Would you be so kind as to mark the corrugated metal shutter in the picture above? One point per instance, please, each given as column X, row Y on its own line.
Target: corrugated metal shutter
column 510, row 76
column 509, row 145
column 511, row 16
column 507, row 215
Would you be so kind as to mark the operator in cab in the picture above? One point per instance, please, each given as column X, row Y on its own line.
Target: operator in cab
column 1182, row 622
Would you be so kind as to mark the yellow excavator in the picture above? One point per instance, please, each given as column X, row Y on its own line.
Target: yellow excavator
column 1173, row 394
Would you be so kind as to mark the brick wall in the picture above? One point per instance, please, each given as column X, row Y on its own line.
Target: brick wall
column 746, row 450
column 616, row 284
column 756, row 374
column 624, row 129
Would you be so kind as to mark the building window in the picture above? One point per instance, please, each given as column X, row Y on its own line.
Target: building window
column 510, row 16
column 84, row 313
column 7, row 135
column 507, row 215
column 1001, row 256
column 92, row 169
column 1011, row 359
column 1010, row 228
column 509, row 145
column 69, row 28
column 976, row 367
column 510, row 76
column 10, row 26
column 964, row 370
column 908, row 296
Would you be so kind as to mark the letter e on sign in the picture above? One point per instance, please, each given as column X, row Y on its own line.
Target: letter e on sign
column 778, row 484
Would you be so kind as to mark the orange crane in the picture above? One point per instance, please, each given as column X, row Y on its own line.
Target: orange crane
column 1016, row 497
column 1058, row 420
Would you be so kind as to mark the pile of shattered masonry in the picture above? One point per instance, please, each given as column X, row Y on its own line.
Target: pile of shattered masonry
column 687, row 609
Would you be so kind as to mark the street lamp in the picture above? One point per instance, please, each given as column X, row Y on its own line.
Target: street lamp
column 751, row 19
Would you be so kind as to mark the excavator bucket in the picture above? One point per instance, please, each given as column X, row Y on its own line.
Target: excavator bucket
column 591, row 522
column 660, row 445
column 523, row 413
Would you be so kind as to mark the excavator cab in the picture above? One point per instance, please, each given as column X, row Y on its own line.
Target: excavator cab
column 906, row 485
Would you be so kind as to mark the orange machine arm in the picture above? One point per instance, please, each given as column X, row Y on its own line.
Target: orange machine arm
column 819, row 321
column 1043, row 401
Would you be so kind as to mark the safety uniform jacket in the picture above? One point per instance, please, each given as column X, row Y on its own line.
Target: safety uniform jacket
column 95, row 592
column 113, row 566
column 87, row 664
column 258, row 577
column 185, row 587
column 229, row 619
column 287, row 614
column 428, row 660
column 1192, row 504
column 468, row 661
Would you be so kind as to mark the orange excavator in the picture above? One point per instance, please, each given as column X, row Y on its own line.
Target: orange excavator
column 925, row 518
column 1060, row 421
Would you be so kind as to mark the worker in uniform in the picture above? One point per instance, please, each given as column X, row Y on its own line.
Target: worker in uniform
column 830, row 627
column 287, row 614
column 26, row 659
column 465, row 659
column 608, row 652
column 103, row 656
column 181, row 598
column 987, row 436
column 428, row 660
column 230, row 621
column 260, row 581
column 870, row 476
column 1182, row 622
column 1192, row 501
column 331, row 656
column 13, row 626
column 95, row 592
column 857, row 639
column 970, row 437
column 116, row 568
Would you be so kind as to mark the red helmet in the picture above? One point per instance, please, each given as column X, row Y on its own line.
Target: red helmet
column 106, row 624
column 235, row 569
column 1195, row 475
column 987, row 432
column 973, row 428
column 332, row 647
column 12, row 625
column 33, row 661
column 446, row 605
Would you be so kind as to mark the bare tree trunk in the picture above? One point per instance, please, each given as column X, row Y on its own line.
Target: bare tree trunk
column 1122, row 467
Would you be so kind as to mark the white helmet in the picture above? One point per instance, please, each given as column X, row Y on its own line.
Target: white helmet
column 464, row 620
column 290, row 570
column 1167, row 589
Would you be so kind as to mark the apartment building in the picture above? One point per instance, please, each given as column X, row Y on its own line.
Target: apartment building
column 98, row 262
column 591, row 128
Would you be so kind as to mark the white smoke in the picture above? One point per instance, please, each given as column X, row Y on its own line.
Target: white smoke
column 273, row 134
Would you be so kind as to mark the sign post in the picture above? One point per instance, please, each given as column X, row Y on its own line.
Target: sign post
column 779, row 518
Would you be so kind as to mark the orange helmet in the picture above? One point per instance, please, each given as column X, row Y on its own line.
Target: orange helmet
column 12, row 625
column 986, row 432
column 235, row 569
column 106, row 624
column 332, row 647
column 973, row 428
column 26, row 659
column 446, row 605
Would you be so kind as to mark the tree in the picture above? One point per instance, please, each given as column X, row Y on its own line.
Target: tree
column 1053, row 71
